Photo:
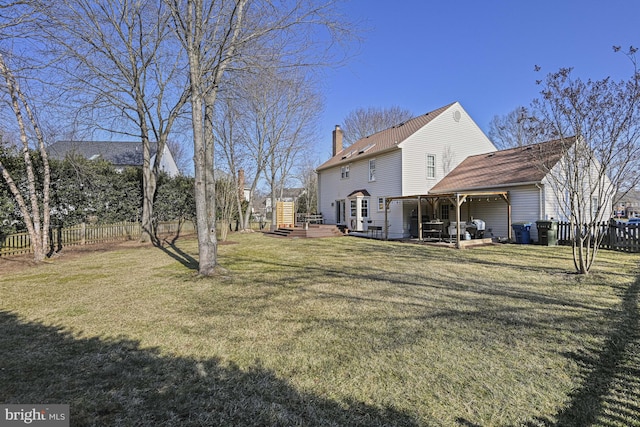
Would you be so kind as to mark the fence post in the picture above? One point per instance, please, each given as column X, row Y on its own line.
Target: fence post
column 83, row 233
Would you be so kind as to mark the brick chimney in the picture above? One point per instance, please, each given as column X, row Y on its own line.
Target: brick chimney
column 241, row 184
column 337, row 140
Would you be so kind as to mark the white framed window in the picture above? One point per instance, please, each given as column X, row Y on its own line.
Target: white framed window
column 431, row 166
column 344, row 172
column 354, row 209
column 444, row 211
column 372, row 170
column 380, row 204
column 364, row 208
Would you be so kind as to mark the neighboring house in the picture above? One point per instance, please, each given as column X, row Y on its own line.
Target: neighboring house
column 406, row 159
column 288, row 195
column 120, row 154
column 629, row 205
column 243, row 189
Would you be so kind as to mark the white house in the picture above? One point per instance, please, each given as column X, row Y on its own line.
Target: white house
column 404, row 160
column 119, row 153
column 518, row 185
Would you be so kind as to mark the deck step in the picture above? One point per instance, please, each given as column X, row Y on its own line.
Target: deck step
column 312, row 231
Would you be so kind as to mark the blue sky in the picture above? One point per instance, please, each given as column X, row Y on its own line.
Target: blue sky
column 423, row 54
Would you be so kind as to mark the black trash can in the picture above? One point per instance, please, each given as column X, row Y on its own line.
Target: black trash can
column 522, row 232
column 547, row 232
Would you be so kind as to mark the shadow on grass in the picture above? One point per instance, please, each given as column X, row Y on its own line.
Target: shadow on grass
column 115, row 382
column 169, row 247
column 610, row 390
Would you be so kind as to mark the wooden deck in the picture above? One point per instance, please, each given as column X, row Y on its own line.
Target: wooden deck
column 301, row 232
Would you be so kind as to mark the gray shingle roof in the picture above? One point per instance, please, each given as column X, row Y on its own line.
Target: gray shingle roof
column 115, row 152
column 509, row 167
column 383, row 140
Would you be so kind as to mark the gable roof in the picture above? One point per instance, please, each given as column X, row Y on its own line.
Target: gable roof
column 116, row 152
column 359, row 193
column 514, row 166
column 384, row 140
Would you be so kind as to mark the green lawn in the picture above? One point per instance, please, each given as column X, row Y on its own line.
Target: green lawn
column 318, row 332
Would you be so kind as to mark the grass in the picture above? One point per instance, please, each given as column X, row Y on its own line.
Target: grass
column 339, row 331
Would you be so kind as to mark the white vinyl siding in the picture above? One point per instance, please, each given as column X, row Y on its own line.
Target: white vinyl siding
column 449, row 140
column 331, row 187
column 525, row 207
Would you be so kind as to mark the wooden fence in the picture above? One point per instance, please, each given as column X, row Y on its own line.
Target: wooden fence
column 86, row 234
column 617, row 236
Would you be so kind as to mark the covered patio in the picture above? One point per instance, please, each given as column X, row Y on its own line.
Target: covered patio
column 457, row 200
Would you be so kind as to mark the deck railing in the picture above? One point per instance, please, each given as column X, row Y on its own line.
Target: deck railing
column 302, row 218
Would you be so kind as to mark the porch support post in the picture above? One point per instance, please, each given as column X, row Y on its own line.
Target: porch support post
column 457, row 221
column 505, row 197
column 419, row 219
column 459, row 200
column 433, row 201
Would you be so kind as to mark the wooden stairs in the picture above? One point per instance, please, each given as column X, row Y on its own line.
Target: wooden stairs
column 299, row 232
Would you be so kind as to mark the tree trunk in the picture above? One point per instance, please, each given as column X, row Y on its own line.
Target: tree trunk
column 149, row 183
column 37, row 225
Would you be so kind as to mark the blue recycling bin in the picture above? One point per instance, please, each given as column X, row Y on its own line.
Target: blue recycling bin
column 521, row 231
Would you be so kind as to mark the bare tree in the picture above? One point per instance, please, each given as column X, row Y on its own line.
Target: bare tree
column 226, row 191
column 363, row 122
column 224, row 38
column 125, row 72
column 515, row 129
column 279, row 113
column 33, row 202
column 234, row 152
column 309, row 180
column 597, row 126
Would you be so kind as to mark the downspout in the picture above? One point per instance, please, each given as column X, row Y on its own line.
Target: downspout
column 387, row 202
column 419, row 219
column 458, row 203
column 541, row 204
column 541, row 201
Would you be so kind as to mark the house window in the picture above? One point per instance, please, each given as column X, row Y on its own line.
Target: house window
column 372, row 170
column 364, row 208
column 431, row 166
column 353, row 209
column 380, row 204
column 444, row 212
column 594, row 207
column 344, row 172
